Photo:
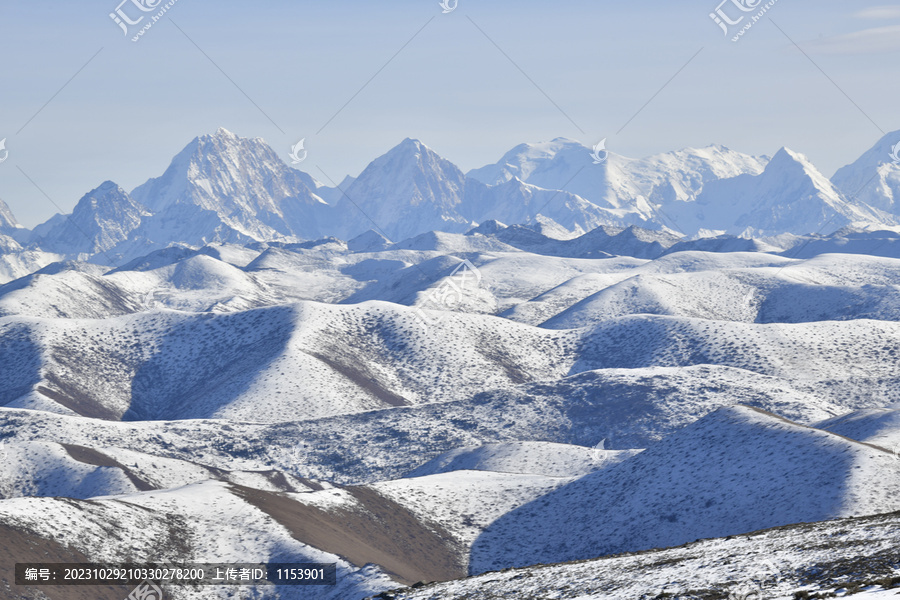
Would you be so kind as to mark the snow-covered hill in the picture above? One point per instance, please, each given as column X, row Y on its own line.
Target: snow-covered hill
column 736, row 470
column 533, row 458
column 853, row 557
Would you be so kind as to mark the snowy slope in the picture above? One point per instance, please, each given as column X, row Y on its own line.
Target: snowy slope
column 535, row 458
column 168, row 318
column 203, row 522
column 848, row 240
column 611, row 410
column 76, row 471
column 76, row 326
column 830, row 556
column 465, row 503
column 879, row 426
column 171, row 365
column 831, row 287
column 422, row 527
column 16, row 263
column 737, row 470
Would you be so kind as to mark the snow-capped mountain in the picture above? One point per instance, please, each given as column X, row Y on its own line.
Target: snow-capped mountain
column 514, row 201
column 8, row 222
column 103, row 218
column 564, row 164
column 10, row 231
column 632, row 187
column 242, row 182
column 681, row 175
column 15, row 259
column 874, row 178
column 412, row 190
column 407, row 191
column 790, row 195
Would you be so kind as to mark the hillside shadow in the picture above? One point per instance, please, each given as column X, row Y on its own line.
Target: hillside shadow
column 702, row 482
column 203, row 363
column 20, row 356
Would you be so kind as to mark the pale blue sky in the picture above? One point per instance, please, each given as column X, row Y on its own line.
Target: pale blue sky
column 135, row 105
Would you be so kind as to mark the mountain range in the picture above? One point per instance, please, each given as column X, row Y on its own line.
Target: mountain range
column 222, row 188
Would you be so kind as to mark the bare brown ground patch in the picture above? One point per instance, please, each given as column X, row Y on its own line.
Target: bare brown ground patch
column 278, row 479
column 76, row 400
column 22, row 547
column 384, row 533
column 89, row 456
column 360, row 378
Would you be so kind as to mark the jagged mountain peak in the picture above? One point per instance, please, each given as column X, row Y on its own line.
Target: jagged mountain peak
column 7, row 219
column 411, row 143
column 241, row 186
column 787, row 162
column 786, row 157
column 789, row 195
column 874, row 178
column 106, row 195
column 408, row 153
column 224, row 133
column 223, row 187
column 406, row 191
column 103, row 218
